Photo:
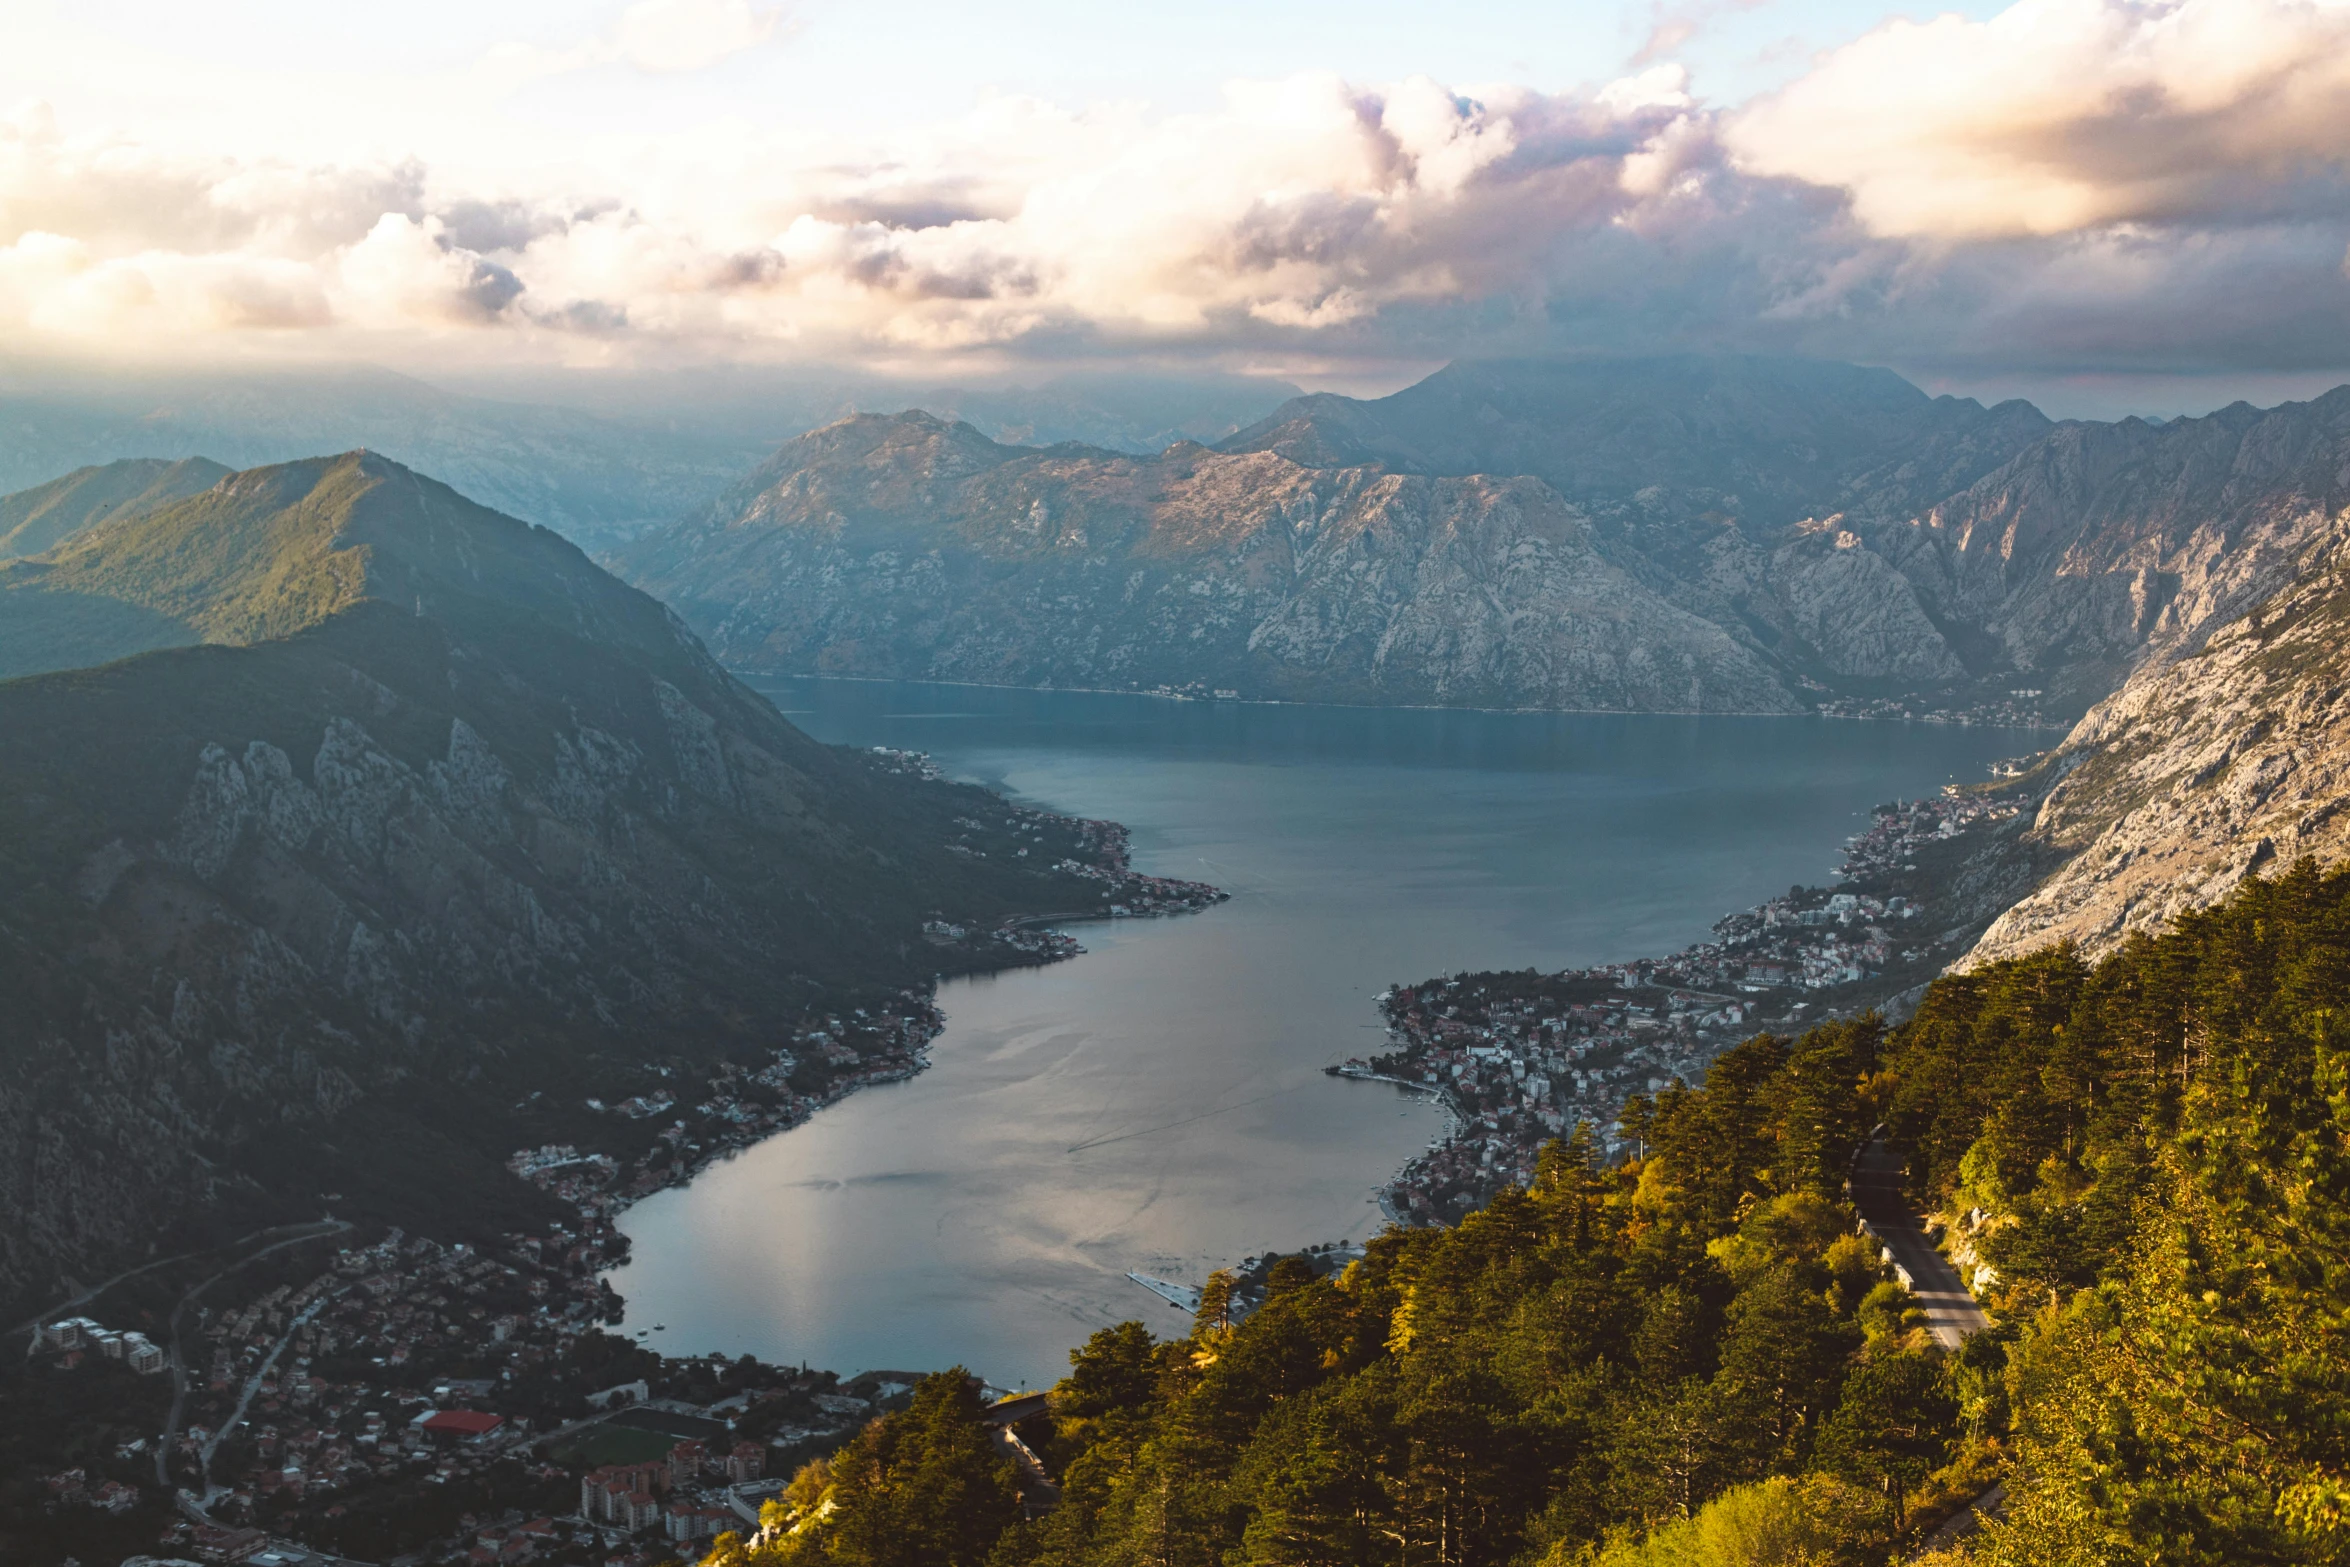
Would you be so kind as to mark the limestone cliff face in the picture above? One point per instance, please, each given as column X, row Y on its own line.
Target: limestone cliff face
column 912, row 548
column 276, row 917
column 2103, row 544
column 2199, row 771
column 1675, row 534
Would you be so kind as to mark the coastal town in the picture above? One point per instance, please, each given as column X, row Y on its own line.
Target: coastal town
column 330, row 1396
column 338, row 1396
column 411, row 1402
column 2023, row 708
column 1520, row 1058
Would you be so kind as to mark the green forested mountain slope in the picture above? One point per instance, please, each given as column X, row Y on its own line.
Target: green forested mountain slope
column 457, row 817
column 265, row 553
column 1692, row 1359
column 39, row 519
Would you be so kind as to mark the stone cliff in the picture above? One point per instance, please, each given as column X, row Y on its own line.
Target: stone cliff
column 912, row 548
column 2200, row 771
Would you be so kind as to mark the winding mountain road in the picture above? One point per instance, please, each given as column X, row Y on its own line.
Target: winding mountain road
column 1951, row 1313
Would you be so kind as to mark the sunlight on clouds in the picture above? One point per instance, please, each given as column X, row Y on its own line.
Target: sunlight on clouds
column 1305, row 204
column 2063, row 115
column 2114, row 179
column 687, row 35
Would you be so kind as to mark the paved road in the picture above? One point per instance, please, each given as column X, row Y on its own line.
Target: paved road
column 1951, row 1312
column 178, row 1365
column 253, row 1383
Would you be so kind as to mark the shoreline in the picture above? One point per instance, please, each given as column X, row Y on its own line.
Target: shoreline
column 885, row 1042
column 1521, row 1059
column 1164, row 694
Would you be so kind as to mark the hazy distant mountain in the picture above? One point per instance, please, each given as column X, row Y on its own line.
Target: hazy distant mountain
column 444, row 804
column 758, row 407
column 911, row 547
column 598, row 456
column 1766, row 442
column 1668, row 533
column 41, row 518
column 1627, row 544
column 594, row 480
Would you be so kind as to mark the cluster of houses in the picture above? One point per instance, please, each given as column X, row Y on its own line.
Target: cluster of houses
column 1896, row 832
column 2016, row 709
column 689, row 1495
column 739, row 1106
column 75, row 1339
column 1520, row 1058
column 400, row 1306
column 74, row 1488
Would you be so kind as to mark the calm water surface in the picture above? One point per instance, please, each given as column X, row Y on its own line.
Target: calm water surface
column 1159, row 1103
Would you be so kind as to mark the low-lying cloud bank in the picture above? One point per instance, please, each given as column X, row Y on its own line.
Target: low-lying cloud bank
column 2074, row 184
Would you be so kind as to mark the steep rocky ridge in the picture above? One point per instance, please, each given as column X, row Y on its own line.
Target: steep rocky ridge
column 446, row 814
column 910, row 547
column 39, row 519
column 1679, row 533
column 2106, row 544
column 1865, row 534
column 2232, row 759
column 1675, row 534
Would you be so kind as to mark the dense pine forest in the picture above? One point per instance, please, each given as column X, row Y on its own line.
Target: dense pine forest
column 1689, row 1356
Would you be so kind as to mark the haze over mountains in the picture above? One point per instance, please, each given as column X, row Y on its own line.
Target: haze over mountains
column 598, row 459
column 39, row 519
column 444, row 812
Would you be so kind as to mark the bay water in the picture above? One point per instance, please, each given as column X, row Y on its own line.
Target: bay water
column 1159, row 1104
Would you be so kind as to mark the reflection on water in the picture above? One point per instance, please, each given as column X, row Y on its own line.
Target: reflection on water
column 1159, row 1104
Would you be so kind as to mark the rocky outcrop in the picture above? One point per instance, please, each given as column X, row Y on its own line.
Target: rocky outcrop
column 2203, row 769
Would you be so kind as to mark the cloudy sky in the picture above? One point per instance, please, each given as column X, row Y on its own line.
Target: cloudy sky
column 2140, row 201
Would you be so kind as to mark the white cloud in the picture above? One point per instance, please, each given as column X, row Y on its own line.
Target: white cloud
column 661, row 36
column 2091, row 181
column 2058, row 116
column 687, row 35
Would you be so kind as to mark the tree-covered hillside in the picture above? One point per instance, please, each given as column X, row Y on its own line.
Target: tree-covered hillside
column 1691, row 1357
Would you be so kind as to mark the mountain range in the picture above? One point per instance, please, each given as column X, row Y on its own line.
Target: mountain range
column 1683, row 534
column 328, row 781
column 599, row 458
column 437, row 814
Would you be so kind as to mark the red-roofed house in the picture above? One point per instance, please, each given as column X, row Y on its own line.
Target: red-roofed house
column 463, row 1425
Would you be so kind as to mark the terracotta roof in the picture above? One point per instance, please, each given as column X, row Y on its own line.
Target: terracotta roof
column 465, row 1422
